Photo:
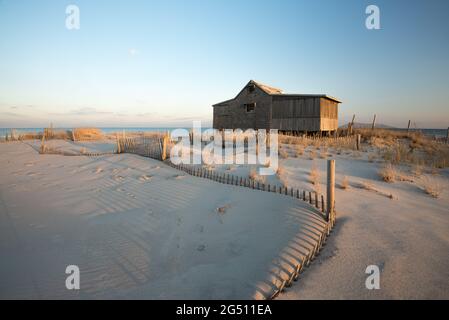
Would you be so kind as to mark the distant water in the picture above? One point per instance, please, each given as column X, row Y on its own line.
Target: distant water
column 4, row 131
column 437, row 133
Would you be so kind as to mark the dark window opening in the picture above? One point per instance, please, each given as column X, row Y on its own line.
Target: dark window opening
column 251, row 88
column 250, row 107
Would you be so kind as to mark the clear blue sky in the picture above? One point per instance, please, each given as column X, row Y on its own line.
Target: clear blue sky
column 162, row 63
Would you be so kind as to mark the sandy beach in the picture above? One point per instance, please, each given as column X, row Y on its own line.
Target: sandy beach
column 138, row 228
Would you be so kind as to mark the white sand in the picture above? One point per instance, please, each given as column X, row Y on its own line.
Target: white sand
column 407, row 236
column 139, row 229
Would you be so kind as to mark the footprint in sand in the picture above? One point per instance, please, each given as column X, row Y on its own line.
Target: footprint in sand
column 201, row 247
column 37, row 226
column 98, row 170
column 199, row 228
column 130, row 195
column 145, row 178
column 118, row 178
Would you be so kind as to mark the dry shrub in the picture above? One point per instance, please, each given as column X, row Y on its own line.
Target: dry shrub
column 253, row 175
column 371, row 157
column 323, row 154
column 367, row 185
column 314, row 175
column 283, row 154
column 304, row 141
column 388, row 173
column 356, row 154
column 317, row 188
column 280, row 171
column 83, row 134
column 431, row 187
column 299, row 150
column 281, row 174
column 312, row 154
column 417, row 170
column 345, row 183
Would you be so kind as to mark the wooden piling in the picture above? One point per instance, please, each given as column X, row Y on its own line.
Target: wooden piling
column 374, row 122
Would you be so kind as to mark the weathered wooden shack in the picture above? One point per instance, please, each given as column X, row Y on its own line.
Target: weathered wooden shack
column 258, row 106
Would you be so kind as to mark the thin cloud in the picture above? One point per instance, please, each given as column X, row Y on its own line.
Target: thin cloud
column 133, row 52
column 86, row 111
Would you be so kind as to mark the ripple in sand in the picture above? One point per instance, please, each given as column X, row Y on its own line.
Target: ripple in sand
column 145, row 178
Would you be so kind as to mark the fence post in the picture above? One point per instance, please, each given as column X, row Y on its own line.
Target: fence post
column 351, row 125
column 164, row 148
column 43, row 147
column 358, row 141
column 118, row 144
column 330, row 188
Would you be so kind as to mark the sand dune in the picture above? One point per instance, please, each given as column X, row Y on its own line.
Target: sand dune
column 140, row 229
column 396, row 226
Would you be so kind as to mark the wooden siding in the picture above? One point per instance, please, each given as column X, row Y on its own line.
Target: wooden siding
column 312, row 113
column 329, row 115
column 301, row 114
column 233, row 115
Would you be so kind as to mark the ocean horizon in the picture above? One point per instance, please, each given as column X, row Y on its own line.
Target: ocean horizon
column 437, row 133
